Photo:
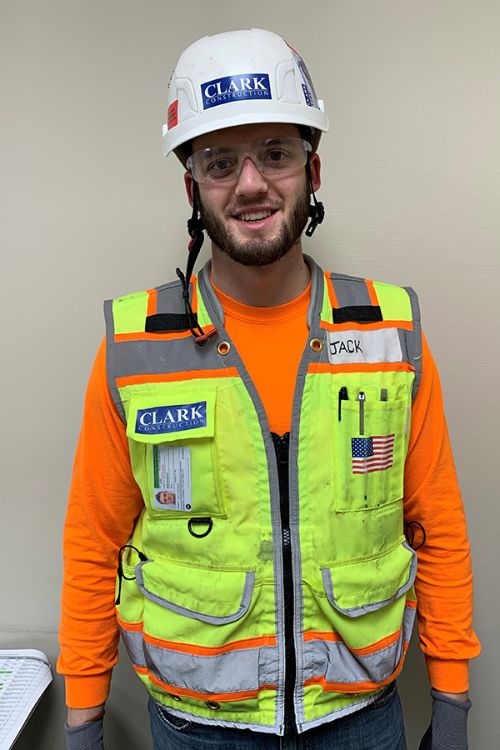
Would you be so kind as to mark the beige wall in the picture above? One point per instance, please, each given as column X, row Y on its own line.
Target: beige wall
column 411, row 173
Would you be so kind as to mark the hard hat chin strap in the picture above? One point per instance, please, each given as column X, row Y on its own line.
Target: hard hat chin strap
column 316, row 209
column 195, row 229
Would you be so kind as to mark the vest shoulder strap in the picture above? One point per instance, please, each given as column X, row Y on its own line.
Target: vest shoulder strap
column 364, row 302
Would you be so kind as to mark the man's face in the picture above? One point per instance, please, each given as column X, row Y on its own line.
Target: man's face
column 166, row 498
column 233, row 213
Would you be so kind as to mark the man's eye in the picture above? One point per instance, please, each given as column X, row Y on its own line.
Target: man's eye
column 277, row 157
column 220, row 166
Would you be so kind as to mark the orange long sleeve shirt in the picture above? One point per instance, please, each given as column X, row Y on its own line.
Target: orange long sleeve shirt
column 105, row 502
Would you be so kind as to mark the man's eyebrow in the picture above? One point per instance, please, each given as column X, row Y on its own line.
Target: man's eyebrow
column 218, row 149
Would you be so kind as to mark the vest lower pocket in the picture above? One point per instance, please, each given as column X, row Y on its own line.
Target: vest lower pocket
column 372, row 610
column 197, row 645
column 210, row 596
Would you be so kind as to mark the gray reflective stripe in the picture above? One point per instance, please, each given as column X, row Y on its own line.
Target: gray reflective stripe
column 134, row 643
column 212, row 619
column 233, row 359
column 169, row 298
column 337, row 663
column 363, row 609
column 231, row 672
column 110, row 358
column 308, row 356
column 215, row 722
column 414, row 340
column 156, row 357
column 358, row 702
column 350, row 290
column 408, row 622
column 209, row 297
column 317, row 285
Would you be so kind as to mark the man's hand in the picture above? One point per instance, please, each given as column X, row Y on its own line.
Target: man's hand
column 84, row 728
column 448, row 728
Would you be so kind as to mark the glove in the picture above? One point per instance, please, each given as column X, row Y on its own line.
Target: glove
column 448, row 728
column 88, row 736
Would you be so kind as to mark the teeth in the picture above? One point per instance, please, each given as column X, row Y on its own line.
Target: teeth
column 255, row 216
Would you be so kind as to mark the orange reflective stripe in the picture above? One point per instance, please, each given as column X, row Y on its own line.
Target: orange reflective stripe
column 142, row 336
column 372, row 292
column 365, row 650
column 171, row 377
column 194, row 295
column 219, row 697
column 152, row 301
column 133, row 627
column 191, row 648
column 356, row 687
column 379, row 645
column 319, row 368
column 312, row 635
column 406, row 324
column 412, row 604
column 331, row 291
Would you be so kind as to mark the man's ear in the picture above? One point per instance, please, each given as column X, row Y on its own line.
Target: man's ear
column 189, row 185
column 315, row 171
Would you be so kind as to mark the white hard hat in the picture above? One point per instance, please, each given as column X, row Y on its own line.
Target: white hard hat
column 239, row 78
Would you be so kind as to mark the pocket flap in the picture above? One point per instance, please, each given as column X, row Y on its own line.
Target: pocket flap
column 360, row 587
column 172, row 414
column 213, row 596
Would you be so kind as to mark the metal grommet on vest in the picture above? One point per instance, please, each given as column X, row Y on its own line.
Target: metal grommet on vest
column 316, row 345
column 200, row 522
column 224, row 348
column 174, row 697
column 213, row 705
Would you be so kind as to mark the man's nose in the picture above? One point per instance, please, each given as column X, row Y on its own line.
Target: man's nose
column 250, row 179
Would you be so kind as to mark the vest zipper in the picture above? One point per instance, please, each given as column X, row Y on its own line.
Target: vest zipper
column 281, row 447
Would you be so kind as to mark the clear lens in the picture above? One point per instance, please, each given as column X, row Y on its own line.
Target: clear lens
column 273, row 157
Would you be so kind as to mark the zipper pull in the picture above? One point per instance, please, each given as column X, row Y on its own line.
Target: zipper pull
column 120, row 579
column 361, row 400
column 383, row 394
column 121, row 575
column 342, row 397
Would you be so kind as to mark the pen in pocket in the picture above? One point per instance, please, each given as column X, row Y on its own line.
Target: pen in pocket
column 343, row 396
column 361, row 400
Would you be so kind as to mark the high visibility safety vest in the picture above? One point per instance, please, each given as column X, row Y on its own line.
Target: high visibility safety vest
column 241, row 604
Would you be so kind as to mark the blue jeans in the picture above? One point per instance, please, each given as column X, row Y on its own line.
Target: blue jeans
column 377, row 727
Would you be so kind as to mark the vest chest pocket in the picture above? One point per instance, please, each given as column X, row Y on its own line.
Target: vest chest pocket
column 371, row 428
column 174, row 453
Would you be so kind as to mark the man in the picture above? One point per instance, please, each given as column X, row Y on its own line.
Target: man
column 297, row 417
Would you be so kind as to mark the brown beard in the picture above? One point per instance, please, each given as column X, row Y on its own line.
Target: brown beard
column 257, row 252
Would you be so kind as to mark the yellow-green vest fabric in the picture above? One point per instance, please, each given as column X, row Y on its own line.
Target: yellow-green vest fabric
column 201, row 592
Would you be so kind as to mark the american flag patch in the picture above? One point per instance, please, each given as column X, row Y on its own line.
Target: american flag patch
column 374, row 453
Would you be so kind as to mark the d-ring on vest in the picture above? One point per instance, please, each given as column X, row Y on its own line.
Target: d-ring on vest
column 202, row 616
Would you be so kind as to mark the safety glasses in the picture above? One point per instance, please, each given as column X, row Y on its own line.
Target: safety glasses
column 273, row 157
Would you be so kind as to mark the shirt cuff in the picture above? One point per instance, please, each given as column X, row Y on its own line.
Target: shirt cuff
column 448, row 676
column 87, row 692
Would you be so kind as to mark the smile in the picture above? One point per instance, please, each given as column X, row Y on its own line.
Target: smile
column 256, row 216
